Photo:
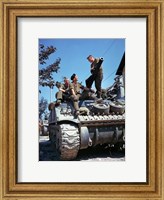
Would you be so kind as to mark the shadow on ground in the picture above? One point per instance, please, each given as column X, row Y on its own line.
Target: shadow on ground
column 47, row 153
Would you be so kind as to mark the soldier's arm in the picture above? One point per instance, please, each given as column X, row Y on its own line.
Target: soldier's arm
column 61, row 89
column 83, row 87
column 71, row 89
column 86, row 89
column 99, row 62
column 64, row 89
column 73, row 92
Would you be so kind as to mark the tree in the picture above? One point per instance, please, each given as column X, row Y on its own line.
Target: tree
column 43, row 103
column 45, row 73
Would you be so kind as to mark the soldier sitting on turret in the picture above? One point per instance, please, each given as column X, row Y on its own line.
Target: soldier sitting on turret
column 76, row 95
column 63, row 93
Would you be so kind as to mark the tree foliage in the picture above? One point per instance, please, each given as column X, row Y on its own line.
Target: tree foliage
column 43, row 104
column 45, row 73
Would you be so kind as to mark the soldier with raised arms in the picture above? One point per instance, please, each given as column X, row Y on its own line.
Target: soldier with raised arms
column 96, row 74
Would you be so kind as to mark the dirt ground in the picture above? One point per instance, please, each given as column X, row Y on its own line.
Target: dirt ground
column 47, row 153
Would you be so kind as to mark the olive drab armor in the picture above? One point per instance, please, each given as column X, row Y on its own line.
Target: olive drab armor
column 98, row 123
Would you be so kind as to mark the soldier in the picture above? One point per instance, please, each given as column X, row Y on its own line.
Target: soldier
column 63, row 93
column 76, row 95
column 97, row 74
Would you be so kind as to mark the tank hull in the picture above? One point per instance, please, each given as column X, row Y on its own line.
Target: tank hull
column 70, row 133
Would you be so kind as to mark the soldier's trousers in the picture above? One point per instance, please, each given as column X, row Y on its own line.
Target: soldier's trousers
column 89, row 81
column 59, row 95
column 98, row 81
column 62, row 95
column 75, row 98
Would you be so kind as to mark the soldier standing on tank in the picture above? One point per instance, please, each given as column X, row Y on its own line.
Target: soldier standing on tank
column 76, row 95
column 63, row 93
column 96, row 74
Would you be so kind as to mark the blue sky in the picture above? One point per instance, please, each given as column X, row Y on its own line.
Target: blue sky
column 73, row 54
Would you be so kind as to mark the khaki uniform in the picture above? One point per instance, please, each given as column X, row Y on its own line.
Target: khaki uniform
column 78, row 95
column 97, row 76
column 60, row 95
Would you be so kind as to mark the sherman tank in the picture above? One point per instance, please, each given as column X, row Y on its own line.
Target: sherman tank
column 98, row 123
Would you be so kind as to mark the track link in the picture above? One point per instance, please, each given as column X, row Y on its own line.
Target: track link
column 67, row 141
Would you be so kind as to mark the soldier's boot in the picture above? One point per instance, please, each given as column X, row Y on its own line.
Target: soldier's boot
column 98, row 94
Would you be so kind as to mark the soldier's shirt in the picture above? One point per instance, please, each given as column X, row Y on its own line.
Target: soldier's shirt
column 64, row 87
column 93, row 66
column 76, row 87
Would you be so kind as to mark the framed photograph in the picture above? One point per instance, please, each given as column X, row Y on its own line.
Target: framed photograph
column 81, row 99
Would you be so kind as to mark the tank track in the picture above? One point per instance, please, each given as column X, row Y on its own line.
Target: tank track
column 67, row 142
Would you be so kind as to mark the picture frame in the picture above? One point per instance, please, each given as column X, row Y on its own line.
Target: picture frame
column 153, row 11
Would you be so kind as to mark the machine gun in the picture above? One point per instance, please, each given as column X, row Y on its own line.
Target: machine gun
column 116, row 91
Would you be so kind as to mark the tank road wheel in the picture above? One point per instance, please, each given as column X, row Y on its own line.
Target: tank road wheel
column 117, row 108
column 67, row 142
column 101, row 108
column 120, row 145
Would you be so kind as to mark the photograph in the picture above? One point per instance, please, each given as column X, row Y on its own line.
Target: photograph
column 81, row 99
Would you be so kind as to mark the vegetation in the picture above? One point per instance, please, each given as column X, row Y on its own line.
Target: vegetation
column 45, row 73
column 43, row 103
